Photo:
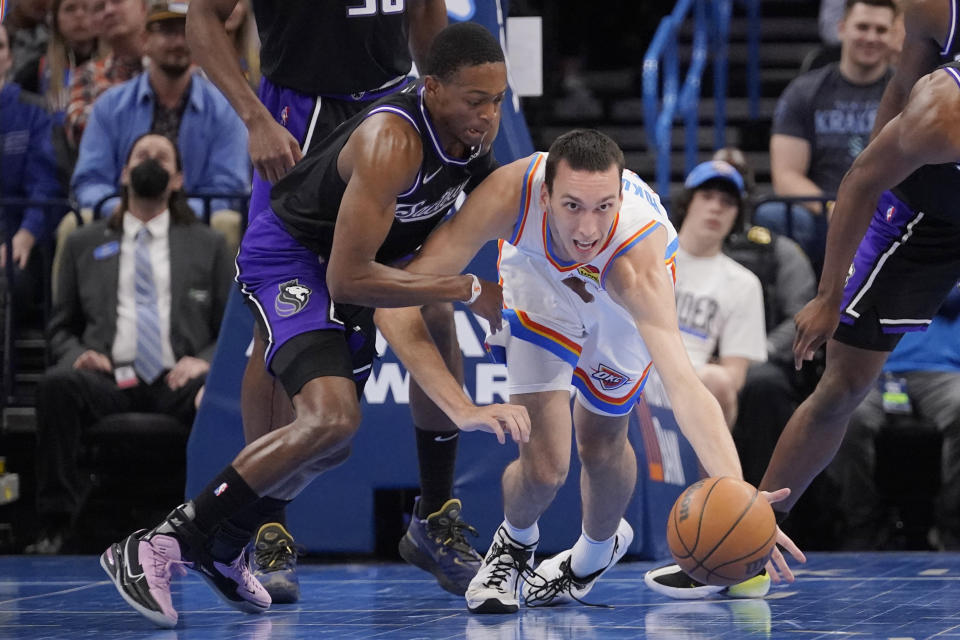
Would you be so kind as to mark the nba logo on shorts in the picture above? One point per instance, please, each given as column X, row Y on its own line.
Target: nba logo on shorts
column 608, row 378
column 220, row 489
column 284, row 116
column 890, row 213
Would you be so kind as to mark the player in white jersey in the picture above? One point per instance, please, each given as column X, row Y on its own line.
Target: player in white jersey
column 586, row 267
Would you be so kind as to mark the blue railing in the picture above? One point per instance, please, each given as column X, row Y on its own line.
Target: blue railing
column 663, row 97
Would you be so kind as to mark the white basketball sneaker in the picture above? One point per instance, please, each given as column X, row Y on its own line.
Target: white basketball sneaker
column 494, row 588
column 560, row 585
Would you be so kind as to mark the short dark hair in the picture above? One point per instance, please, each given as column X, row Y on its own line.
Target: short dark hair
column 584, row 150
column 884, row 4
column 462, row 44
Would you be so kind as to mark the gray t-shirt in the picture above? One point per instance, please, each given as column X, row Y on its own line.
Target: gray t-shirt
column 834, row 115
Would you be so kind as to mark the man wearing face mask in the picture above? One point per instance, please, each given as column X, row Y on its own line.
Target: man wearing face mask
column 170, row 100
column 122, row 348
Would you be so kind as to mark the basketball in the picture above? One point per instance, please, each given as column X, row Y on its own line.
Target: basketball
column 721, row 531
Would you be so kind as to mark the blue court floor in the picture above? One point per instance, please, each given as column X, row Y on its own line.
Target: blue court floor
column 878, row 595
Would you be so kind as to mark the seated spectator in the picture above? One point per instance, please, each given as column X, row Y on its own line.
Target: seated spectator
column 823, row 120
column 719, row 302
column 168, row 99
column 925, row 367
column 28, row 33
column 144, row 345
column 122, row 33
column 27, row 170
column 772, row 389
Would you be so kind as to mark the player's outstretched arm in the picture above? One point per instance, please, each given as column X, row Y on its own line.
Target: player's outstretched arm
column 380, row 161
column 638, row 281
column 273, row 150
column 925, row 133
column 407, row 334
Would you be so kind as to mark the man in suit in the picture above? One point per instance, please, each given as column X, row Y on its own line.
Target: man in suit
column 134, row 325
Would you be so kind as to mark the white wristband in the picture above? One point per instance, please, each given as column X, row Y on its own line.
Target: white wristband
column 475, row 289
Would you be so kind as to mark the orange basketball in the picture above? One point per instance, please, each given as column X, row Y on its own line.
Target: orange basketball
column 721, row 531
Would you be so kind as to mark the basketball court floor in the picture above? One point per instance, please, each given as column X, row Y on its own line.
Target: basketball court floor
column 878, row 595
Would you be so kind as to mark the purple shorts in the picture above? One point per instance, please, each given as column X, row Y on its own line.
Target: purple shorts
column 904, row 268
column 285, row 285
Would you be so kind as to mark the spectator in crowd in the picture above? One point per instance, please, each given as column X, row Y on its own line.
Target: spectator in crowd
column 73, row 41
column 923, row 373
column 27, row 170
column 719, row 302
column 823, row 120
column 772, row 389
column 28, row 33
column 142, row 345
column 168, row 99
column 122, row 32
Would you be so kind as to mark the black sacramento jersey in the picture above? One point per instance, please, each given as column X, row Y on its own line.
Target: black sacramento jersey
column 307, row 199
column 934, row 189
column 329, row 47
column 950, row 50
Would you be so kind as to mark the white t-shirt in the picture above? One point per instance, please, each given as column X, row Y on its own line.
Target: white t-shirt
column 719, row 308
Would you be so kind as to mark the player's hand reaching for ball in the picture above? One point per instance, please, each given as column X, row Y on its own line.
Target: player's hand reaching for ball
column 777, row 566
column 489, row 305
column 498, row 419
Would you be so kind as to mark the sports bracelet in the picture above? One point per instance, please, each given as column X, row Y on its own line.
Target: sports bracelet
column 475, row 289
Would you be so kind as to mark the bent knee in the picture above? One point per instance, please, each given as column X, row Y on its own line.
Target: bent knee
column 547, row 476
column 331, row 430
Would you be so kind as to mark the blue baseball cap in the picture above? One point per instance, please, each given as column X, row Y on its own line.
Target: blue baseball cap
column 714, row 170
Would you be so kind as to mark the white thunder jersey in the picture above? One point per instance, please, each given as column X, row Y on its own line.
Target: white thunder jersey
column 563, row 308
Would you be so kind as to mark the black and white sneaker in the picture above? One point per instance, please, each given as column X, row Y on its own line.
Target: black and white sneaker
column 671, row 581
column 494, row 588
column 140, row 567
column 560, row 585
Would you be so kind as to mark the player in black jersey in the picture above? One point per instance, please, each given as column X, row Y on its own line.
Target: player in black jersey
column 322, row 62
column 892, row 258
column 399, row 167
column 932, row 37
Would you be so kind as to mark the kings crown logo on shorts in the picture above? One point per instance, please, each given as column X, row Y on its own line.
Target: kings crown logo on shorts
column 608, row 378
column 293, row 297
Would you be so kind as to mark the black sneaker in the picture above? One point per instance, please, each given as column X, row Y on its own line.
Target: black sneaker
column 274, row 563
column 671, row 581
column 437, row 544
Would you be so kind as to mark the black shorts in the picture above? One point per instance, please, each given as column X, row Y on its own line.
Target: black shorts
column 903, row 270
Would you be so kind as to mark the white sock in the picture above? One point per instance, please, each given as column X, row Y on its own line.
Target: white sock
column 530, row 535
column 589, row 555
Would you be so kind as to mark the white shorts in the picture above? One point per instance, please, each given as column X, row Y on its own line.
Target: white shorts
column 608, row 367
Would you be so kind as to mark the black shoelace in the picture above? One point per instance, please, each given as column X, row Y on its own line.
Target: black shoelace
column 543, row 595
column 507, row 558
column 451, row 534
column 276, row 557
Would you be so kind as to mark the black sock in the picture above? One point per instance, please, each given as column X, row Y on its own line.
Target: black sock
column 437, row 453
column 235, row 532
column 227, row 495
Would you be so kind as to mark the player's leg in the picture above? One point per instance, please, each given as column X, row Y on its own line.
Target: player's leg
column 607, row 478
column 529, row 486
column 435, row 539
